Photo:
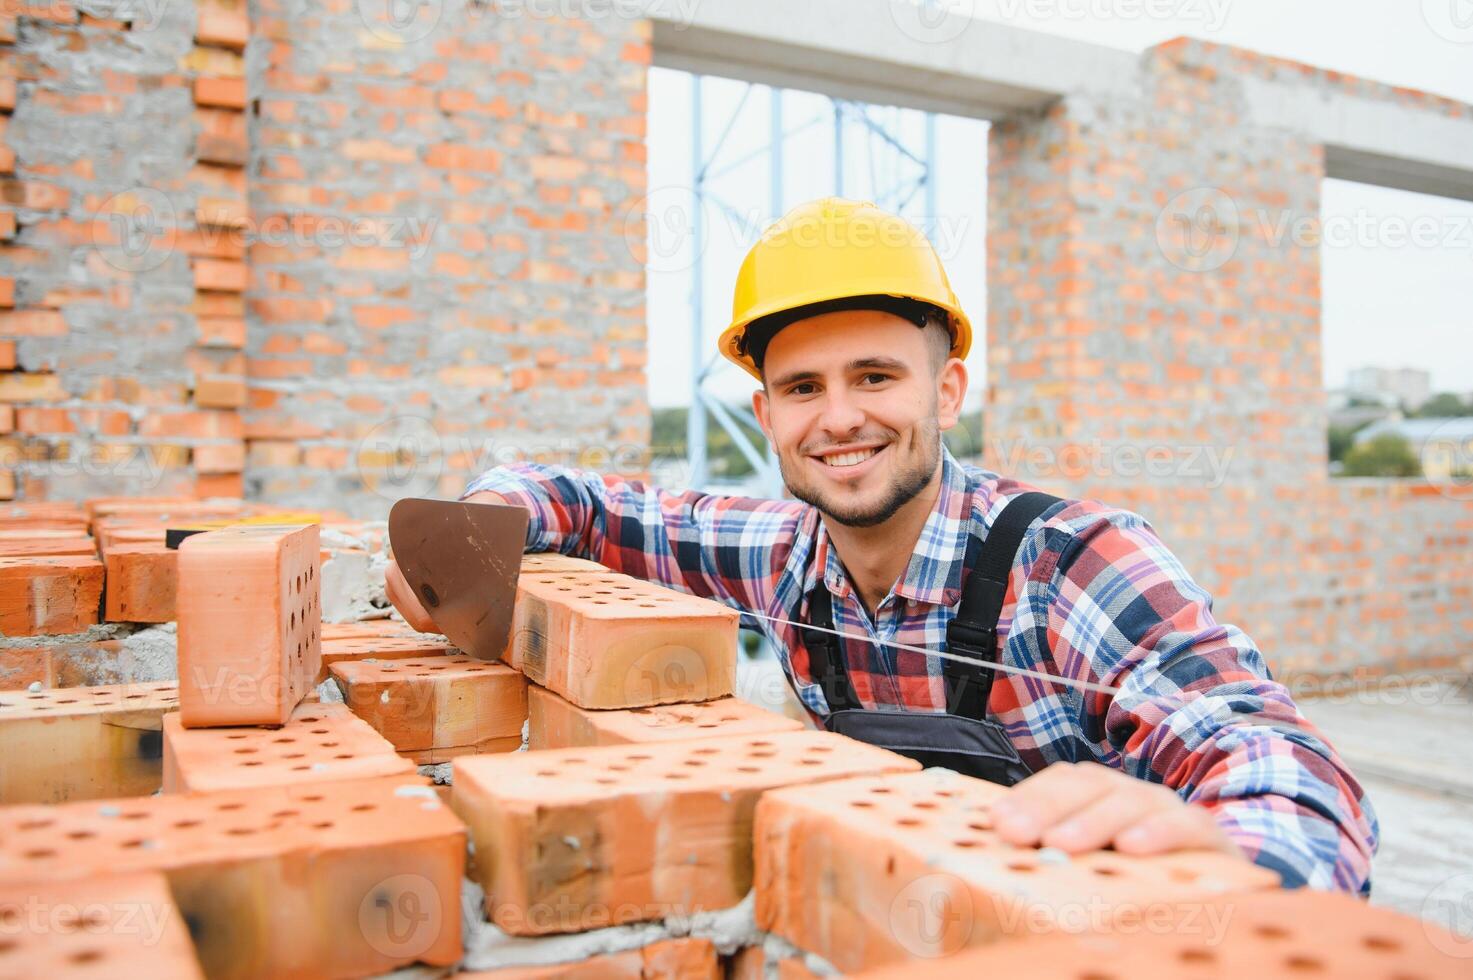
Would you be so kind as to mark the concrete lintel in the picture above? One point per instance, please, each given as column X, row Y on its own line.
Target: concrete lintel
column 1370, row 140
column 879, row 51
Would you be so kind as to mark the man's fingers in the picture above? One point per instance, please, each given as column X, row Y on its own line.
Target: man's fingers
column 1183, row 828
column 1097, row 823
column 1044, row 799
column 404, row 600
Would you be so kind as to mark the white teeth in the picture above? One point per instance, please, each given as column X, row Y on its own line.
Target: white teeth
column 850, row 459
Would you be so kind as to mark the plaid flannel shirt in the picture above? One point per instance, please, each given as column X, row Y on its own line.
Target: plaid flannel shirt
column 1094, row 595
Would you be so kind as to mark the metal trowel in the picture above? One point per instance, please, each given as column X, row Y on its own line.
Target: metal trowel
column 462, row 560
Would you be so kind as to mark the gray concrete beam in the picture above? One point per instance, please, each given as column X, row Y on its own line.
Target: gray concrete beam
column 883, row 51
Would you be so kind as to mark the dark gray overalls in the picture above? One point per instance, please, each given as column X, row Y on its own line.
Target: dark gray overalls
column 962, row 738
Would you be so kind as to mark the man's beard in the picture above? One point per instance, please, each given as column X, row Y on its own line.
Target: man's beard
column 914, row 473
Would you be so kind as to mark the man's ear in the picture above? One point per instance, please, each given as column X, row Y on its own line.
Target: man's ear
column 759, row 409
column 951, row 391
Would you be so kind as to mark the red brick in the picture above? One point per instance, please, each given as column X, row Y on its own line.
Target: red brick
column 274, row 881
column 222, row 331
column 457, row 156
column 1274, row 935
column 221, row 391
column 249, row 648
column 876, row 871
column 217, row 274
column 33, row 323
column 28, row 547
column 555, row 723
column 7, row 355
column 82, row 743
column 7, row 225
column 436, row 708
column 142, row 580
column 222, row 458
column 618, row 642
column 208, row 485
column 574, row 839
column 227, row 93
column 7, row 419
column 321, row 742
column 338, row 648
column 49, row 595
column 106, row 926
column 7, row 292
column 222, row 212
column 192, row 425
column 670, row 959
column 222, row 24
column 34, row 194
column 31, row 388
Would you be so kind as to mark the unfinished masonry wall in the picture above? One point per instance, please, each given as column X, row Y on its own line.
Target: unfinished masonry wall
column 1153, row 343
column 315, row 254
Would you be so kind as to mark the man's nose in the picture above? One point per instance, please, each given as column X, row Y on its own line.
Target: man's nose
column 841, row 416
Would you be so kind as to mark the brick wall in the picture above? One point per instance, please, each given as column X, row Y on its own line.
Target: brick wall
column 492, row 303
column 1154, row 344
column 125, row 148
column 426, row 267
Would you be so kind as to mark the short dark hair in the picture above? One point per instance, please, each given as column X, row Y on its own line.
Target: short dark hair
column 935, row 321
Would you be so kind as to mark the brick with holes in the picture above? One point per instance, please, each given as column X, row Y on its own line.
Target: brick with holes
column 574, row 839
column 83, row 743
column 249, row 622
column 556, row 723
column 339, row 648
column 871, row 872
column 437, row 708
column 541, row 562
column 1274, row 935
column 49, row 594
column 612, row 641
column 98, row 928
column 319, row 742
column 342, row 879
column 686, row 958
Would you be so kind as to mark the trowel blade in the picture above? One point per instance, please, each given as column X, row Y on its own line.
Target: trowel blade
column 462, row 560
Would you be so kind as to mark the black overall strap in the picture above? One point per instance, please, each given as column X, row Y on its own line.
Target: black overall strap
column 826, row 653
column 973, row 633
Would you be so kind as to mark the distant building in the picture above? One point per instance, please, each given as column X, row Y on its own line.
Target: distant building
column 1393, row 387
column 1445, row 446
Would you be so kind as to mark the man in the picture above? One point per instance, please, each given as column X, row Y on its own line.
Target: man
column 1148, row 726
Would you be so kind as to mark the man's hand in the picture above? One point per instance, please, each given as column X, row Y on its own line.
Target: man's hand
column 1085, row 806
column 403, row 597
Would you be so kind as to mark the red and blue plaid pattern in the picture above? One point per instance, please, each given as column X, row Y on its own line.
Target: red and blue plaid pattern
column 1094, row 595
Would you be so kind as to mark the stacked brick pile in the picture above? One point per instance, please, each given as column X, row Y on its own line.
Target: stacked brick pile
column 655, row 826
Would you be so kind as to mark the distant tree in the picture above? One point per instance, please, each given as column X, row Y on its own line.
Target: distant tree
column 1385, row 455
column 1341, row 438
column 1444, row 405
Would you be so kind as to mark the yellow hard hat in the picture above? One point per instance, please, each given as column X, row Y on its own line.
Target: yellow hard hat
column 830, row 251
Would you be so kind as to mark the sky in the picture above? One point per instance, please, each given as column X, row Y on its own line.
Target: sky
column 1386, row 301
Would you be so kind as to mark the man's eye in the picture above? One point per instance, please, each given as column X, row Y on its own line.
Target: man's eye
column 802, row 389
column 876, row 378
